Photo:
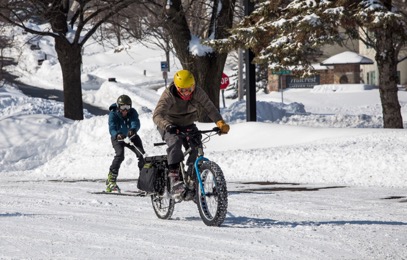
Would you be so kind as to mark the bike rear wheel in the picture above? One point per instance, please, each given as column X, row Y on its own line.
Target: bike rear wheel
column 213, row 206
column 163, row 206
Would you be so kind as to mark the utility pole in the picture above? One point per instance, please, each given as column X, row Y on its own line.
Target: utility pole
column 240, row 87
column 250, row 74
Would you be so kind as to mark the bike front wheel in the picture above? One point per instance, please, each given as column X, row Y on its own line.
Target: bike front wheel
column 213, row 205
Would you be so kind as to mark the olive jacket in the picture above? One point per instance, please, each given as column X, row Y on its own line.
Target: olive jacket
column 172, row 110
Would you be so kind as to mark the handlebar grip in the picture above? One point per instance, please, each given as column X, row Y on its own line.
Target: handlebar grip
column 159, row 144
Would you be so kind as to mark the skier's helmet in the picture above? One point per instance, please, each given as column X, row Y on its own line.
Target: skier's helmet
column 184, row 79
column 123, row 100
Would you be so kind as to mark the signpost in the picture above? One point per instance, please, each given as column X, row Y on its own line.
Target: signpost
column 165, row 77
column 280, row 80
column 224, row 83
column 164, row 69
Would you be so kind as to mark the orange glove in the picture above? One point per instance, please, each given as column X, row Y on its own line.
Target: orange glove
column 224, row 128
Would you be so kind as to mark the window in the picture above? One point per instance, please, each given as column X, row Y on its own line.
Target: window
column 370, row 38
column 398, row 77
column 371, row 78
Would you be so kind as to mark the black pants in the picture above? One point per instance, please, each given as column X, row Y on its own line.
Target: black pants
column 175, row 143
column 118, row 147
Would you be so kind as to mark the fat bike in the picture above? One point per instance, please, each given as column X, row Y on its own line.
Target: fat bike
column 203, row 179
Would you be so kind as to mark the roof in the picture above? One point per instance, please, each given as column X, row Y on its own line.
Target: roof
column 347, row 57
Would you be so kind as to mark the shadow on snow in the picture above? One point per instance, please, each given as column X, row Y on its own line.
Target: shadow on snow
column 245, row 222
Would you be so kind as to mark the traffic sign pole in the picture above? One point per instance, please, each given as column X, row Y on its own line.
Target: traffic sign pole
column 281, row 88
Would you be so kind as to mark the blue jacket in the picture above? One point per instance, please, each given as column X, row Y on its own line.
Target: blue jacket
column 120, row 125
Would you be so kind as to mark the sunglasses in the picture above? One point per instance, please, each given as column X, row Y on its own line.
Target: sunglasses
column 124, row 107
column 186, row 90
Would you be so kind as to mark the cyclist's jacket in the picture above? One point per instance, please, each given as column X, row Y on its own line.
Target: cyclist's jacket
column 172, row 110
column 120, row 125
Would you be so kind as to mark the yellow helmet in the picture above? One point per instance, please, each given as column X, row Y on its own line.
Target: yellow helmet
column 184, row 79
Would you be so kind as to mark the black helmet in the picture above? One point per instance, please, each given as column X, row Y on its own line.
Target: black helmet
column 123, row 100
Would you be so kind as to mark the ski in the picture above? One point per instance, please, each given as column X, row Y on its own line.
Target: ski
column 125, row 193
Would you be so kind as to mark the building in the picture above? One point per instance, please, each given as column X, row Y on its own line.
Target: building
column 342, row 68
column 370, row 74
column 326, row 74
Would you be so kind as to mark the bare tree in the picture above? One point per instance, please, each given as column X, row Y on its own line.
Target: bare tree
column 84, row 17
column 135, row 23
column 184, row 21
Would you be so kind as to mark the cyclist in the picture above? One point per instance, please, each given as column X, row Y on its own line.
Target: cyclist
column 176, row 111
column 123, row 121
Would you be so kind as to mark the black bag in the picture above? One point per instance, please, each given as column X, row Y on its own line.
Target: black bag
column 148, row 175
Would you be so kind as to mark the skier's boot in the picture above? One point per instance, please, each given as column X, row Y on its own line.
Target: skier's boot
column 111, row 185
column 177, row 186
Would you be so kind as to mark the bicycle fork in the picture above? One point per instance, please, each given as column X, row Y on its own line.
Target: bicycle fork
column 198, row 173
column 199, row 161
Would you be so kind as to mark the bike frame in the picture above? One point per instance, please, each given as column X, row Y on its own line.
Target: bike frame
column 198, row 159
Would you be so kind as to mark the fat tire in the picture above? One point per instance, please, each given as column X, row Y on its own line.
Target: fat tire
column 213, row 207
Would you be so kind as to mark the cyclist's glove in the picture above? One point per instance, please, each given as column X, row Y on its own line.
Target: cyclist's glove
column 224, row 128
column 172, row 129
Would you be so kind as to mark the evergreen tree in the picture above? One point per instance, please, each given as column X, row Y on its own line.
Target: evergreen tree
column 288, row 34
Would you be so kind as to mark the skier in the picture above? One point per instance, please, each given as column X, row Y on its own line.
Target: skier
column 176, row 112
column 123, row 121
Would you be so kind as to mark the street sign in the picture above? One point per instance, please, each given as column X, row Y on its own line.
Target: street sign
column 281, row 72
column 164, row 66
column 224, row 83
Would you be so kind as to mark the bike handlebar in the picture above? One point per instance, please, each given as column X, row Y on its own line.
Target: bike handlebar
column 215, row 129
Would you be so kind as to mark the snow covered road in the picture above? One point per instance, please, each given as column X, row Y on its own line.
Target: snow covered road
column 60, row 220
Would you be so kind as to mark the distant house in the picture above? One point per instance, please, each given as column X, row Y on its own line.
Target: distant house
column 327, row 74
column 346, row 67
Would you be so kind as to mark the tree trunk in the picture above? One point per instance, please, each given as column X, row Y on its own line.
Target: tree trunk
column 70, row 59
column 386, row 57
column 208, row 68
column 208, row 72
column 167, row 58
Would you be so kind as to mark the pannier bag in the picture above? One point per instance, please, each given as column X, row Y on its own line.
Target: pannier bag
column 147, row 177
column 152, row 175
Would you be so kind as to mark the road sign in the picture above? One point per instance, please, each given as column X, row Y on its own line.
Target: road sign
column 164, row 66
column 281, row 72
column 224, row 83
